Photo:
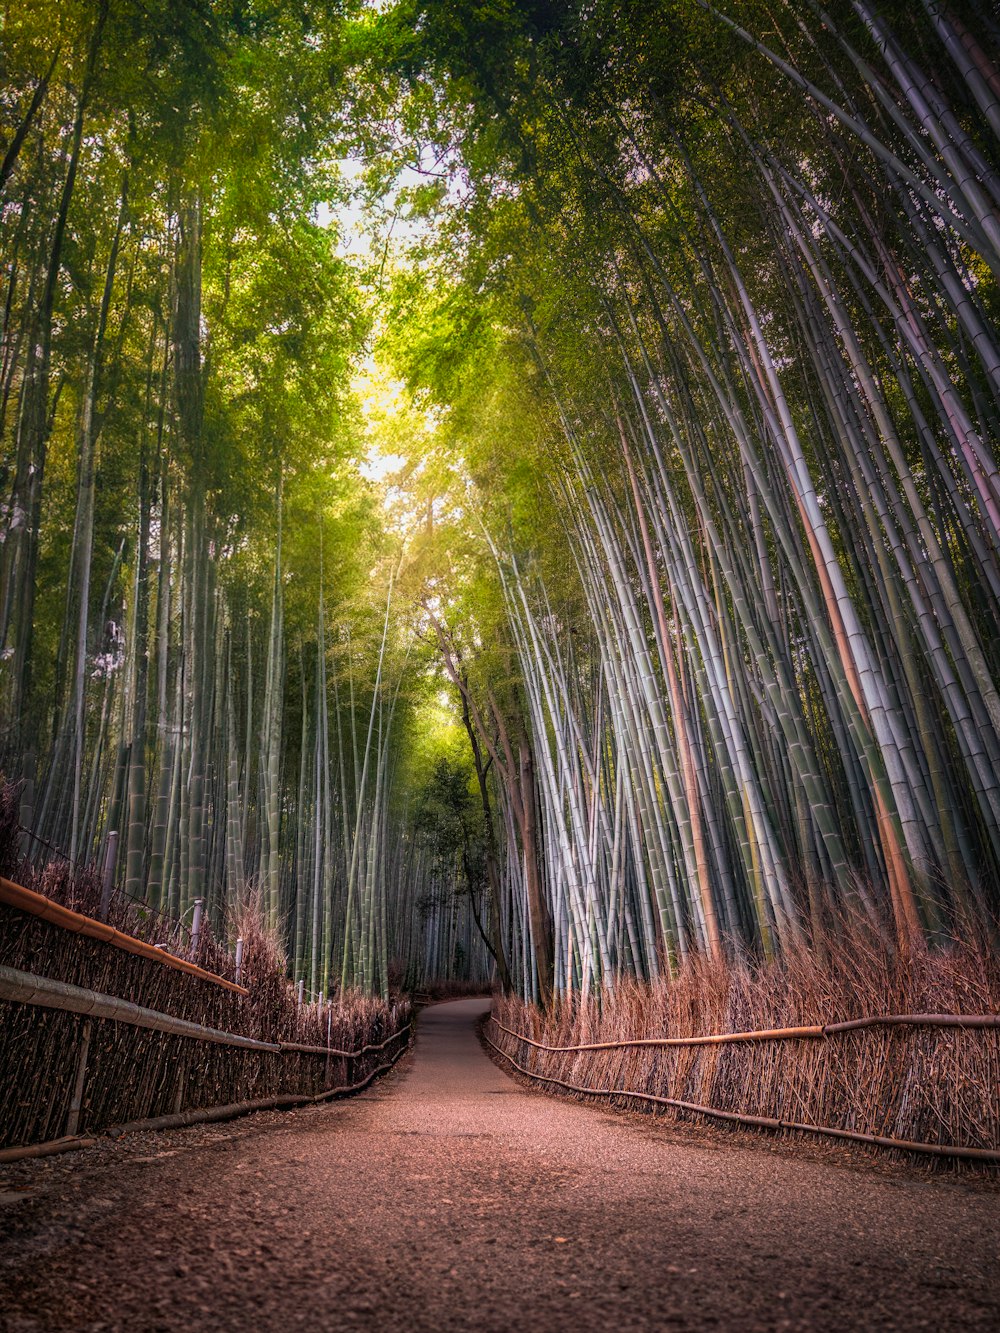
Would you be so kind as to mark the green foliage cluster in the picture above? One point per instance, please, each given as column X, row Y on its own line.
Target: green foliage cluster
column 680, row 318
column 186, row 532
column 748, row 255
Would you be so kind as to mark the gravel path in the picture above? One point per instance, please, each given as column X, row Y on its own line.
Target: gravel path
column 449, row 1197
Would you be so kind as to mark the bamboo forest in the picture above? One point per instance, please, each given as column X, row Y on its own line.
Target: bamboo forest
column 514, row 483
column 499, row 595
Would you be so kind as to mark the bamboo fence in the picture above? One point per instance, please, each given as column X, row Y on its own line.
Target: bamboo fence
column 866, row 1091
column 77, row 1053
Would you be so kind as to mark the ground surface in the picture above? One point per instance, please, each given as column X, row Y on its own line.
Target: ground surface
column 449, row 1197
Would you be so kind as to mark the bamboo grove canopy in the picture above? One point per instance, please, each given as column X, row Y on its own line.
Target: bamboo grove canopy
column 514, row 483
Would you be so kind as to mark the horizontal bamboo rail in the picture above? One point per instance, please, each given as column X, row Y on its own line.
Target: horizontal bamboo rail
column 25, row 988
column 36, row 904
column 756, row 1121
column 810, row 1031
column 333, row 1050
column 68, row 1144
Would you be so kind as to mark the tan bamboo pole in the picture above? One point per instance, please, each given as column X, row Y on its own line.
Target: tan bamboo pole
column 333, row 1050
column 68, row 1144
column 805, row 1032
column 24, row 988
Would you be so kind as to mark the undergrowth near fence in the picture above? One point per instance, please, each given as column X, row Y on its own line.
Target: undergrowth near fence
column 934, row 1085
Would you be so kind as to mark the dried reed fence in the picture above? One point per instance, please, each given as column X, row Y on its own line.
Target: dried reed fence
column 857, row 1041
column 96, row 1032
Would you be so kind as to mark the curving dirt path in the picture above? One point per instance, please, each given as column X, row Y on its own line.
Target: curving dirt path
column 448, row 1197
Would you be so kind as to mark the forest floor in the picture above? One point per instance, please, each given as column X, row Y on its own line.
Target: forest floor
column 450, row 1197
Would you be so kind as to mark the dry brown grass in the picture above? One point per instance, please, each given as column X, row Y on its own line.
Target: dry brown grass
column 934, row 1085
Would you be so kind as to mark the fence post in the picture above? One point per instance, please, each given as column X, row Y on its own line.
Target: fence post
column 300, row 994
column 76, row 1105
column 239, row 959
column 108, row 880
column 199, row 907
column 182, row 1067
column 329, row 1021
